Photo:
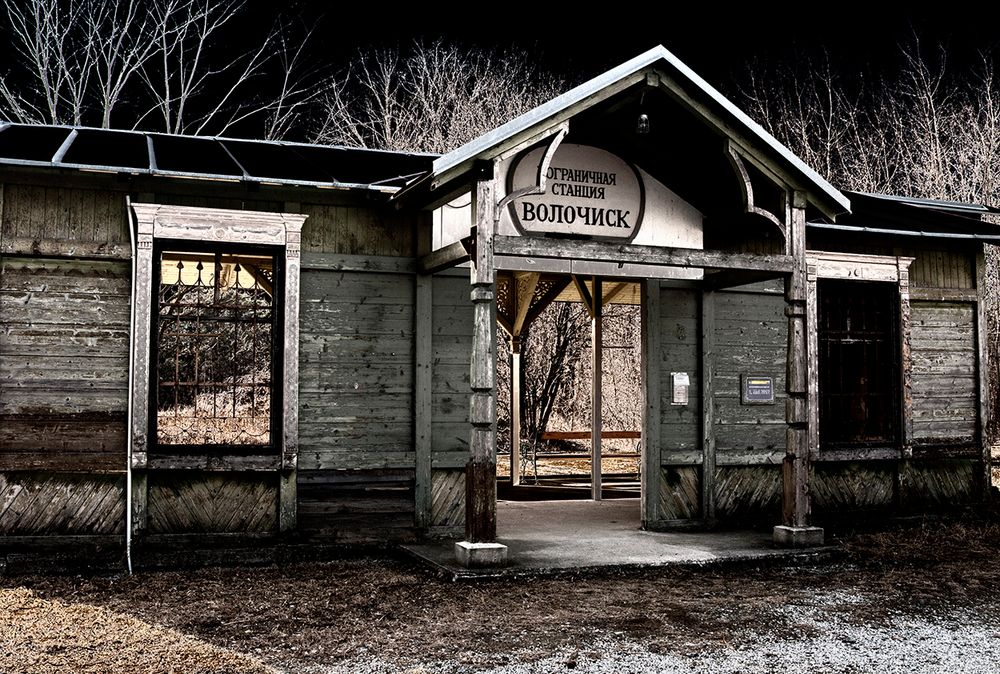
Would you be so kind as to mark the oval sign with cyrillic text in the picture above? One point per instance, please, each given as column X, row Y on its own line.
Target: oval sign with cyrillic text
column 589, row 192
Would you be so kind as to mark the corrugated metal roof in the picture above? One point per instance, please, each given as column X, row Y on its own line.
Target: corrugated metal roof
column 549, row 112
column 266, row 162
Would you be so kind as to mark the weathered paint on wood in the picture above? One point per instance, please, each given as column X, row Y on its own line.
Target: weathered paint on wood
column 652, row 382
column 680, row 493
column 749, row 339
column 359, row 230
column 938, row 483
column 182, row 503
column 356, row 370
column 945, row 380
column 370, row 505
column 480, row 471
column 708, row 358
column 448, row 499
column 423, row 435
column 43, row 504
column 941, row 269
column 63, row 363
column 847, row 487
column 39, row 219
column 451, row 352
column 748, row 494
column 983, row 367
column 679, row 351
column 635, row 254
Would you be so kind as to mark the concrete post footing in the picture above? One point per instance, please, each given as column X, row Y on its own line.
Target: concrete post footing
column 480, row 555
column 798, row 537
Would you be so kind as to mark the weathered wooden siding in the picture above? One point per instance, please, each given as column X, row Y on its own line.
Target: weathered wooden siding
column 748, row 494
column 354, row 230
column 356, row 505
column 680, row 493
column 63, row 363
column 356, row 457
column 936, row 484
column 840, row 487
column 193, row 503
column 750, row 339
column 940, row 268
column 680, row 425
column 448, row 498
column 945, row 380
column 451, row 343
column 355, row 370
column 38, row 503
column 674, row 493
column 51, row 220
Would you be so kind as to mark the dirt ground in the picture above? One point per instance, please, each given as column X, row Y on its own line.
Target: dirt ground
column 344, row 615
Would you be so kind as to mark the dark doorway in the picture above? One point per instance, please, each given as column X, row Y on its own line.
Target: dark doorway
column 858, row 363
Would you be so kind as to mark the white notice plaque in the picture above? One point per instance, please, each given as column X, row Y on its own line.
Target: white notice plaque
column 681, row 384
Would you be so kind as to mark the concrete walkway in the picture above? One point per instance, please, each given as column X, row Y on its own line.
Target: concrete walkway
column 558, row 536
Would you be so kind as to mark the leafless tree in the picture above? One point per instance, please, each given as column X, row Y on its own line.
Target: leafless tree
column 924, row 132
column 551, row 353
column 431, row 97
column 129, row 63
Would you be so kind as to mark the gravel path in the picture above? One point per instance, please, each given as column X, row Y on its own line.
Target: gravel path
column 920, row 599
column 966, row 641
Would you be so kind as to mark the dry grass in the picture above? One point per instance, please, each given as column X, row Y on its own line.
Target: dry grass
column 215, row 420
column 312, row 614
column 549, row 467
column 39, row 636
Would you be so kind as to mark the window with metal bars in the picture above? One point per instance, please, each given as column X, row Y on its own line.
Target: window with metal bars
column 859, row 381
column 216, row 350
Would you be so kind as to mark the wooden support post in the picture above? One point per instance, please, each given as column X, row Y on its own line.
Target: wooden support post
column 708, row 405
column 516, row 389
column 812, row 376
column 479, row 547
column 799, row 414
column 287, row 491
column 422, row 428
column 597, row 361
column 905, row 359
column 983, row 370
column 650, row 354
column 142, row 299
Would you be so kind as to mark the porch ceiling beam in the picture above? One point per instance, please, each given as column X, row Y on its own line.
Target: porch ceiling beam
column 545, row 300
column 537, row 247
column 615, row 292
column 738, row 277
column 449, row 256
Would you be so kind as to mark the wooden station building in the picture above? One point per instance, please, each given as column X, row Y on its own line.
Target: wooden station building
column 206, row 339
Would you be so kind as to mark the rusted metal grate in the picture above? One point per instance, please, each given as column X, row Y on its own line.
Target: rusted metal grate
column 215, row 350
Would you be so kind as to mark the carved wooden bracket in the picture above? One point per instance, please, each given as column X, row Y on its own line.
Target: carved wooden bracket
column 747, row 189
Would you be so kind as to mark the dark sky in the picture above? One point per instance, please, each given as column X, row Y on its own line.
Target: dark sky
column 716, row 41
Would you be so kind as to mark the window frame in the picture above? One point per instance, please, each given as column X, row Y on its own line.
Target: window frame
column 193, row 226
column 868, row 268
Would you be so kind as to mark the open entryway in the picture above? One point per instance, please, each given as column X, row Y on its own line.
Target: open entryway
column 569, row 390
